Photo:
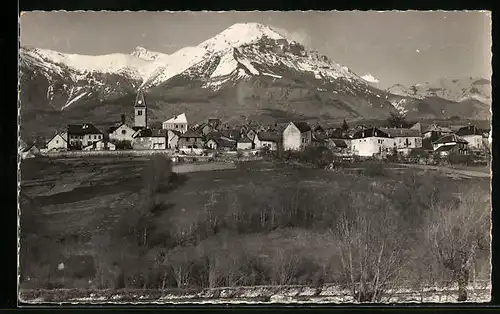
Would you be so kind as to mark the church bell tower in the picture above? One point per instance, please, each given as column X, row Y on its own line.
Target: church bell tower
column 140, row 110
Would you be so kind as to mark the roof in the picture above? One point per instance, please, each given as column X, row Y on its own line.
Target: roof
column 231, row 133
column 139, row 100
column 55, row 137
column 152, row 133
column 178, row 133
column 371, row 132
column 269, row 136
column 445, row 148
column 115, row 127
column 302, row 126
column 82, row 129
column 401, row 132
column 469, row 130
column 437, row 128
column 225, row 142
column 178, row 119
column 450, row 138
column 339, row 143
column 244, row 139
column 31, row 148
column 191, row 133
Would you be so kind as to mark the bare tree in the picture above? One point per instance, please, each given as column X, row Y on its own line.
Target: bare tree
column 285, row 266
column 181, row 264
column 457, row 231
column 371, row 246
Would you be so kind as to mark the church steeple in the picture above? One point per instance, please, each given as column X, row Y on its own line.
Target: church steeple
column 140, row 109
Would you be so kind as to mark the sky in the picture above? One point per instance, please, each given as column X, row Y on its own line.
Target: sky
column 407, row 47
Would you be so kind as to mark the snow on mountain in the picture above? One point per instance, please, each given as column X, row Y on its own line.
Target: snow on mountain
column 369, row 78
column 148, row 55
column 456, row 90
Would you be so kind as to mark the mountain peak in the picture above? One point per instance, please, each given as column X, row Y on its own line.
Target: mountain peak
column 145, row 54
column 370, row 78
column 239, row 34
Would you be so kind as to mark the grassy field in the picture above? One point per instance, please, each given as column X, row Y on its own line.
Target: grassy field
column 80, row 198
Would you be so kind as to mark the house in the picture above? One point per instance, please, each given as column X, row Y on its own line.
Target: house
column 244, row 143
column 226, row 144
column 405, row 139
column 150, row 139
column 435, row 131
column 122, row 132
column 270, row 140
column 204, row 128
column 173, row 139
column 212, row 144
column 231, row 134
column 190, row 139
column 451, row 142
column 472, row 135
column 372, row 141
column 140, row 111
column 101, row 145
column 296, row 136
column 30, row 152
column 82, row 135
column 251, row 134
column 57, row 142
column 417, row 126
column 214, row 123
column 446, row 150
column 176, row 123
column 22, row 146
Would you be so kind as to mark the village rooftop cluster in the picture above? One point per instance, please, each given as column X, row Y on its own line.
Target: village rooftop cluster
column 177, row 135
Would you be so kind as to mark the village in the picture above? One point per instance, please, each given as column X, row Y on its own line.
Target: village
column 179, row 138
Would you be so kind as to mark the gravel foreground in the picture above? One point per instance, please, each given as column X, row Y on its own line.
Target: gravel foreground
column 244, row 295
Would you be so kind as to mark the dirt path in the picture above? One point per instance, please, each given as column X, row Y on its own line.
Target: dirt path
column 447, row 170
column 194, row 167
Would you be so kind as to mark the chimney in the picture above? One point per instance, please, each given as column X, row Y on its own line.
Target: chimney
column 123, row 118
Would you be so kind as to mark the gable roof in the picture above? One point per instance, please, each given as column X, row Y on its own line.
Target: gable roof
column 401, row 132
column 339, row 143
column 445, row 148
column 151, row 133
column 176, row 132
column 57, row 134
column 139, row 100
column 235, row 134
column 177, row 119
column 371, row 132
column 302, row 126
column 437, row 128
column 450, row 138
column 469, row 130
column 191, row 133
column 83, row 129
column 244, row 139
column 269, row 137
column 114, row 128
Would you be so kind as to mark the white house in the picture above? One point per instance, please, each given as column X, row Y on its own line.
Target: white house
column 405, row 139
column 211, row 144
column 451, row 141
column 244, row 143
column 472, row 135
column 122, row 132
column 372, row 141
column 83, row 135
column 436, row 131
column 296, row 136
column 176, row 123
column 173, row 139
column 30, row 152
column 267, row 139
column 58, row 142
column 100, row 145
column 150, row 139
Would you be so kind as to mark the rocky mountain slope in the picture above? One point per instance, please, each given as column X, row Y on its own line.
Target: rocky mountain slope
column 248, row 71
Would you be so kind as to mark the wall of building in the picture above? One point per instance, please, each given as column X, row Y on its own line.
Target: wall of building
column 413, row 141
column 475, row 141
column 118, row 135
column 244, row 146
column 190, row 142
column 149, row 143
column 371, row 145
column 292, row 139
column 57, row 143
column 181, row 127
column 140, row 118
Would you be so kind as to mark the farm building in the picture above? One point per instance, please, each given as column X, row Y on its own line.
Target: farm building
column 82, row 135
column 244, row 143
column 173, row 139
column 296, row 136
column 449, row 143
column 101, row 145
column 58, row 142
column 435, row 131
column 150, row 139
column 472, row 135
column 190, row 139
column 121, row 132
column 30, row 152
column 176, row 123
column 372, row 141
column 267, row 139
column 405, row 139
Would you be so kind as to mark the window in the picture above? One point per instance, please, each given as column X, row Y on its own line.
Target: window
column 57, row 141
column 124, row 132
column 176, row 126
column 139, row 112
column 95, row 137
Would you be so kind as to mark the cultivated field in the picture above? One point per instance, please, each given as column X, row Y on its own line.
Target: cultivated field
column 80, row 201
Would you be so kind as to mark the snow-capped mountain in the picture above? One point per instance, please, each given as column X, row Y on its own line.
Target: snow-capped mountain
column 370, row 78
column 457, row 90
column 247, row 70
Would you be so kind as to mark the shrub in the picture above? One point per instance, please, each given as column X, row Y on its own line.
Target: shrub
column 374, row 170
column 455, row 159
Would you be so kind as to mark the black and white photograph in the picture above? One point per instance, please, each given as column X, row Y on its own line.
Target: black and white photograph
column 260, row 157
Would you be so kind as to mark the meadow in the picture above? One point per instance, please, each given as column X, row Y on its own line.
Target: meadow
column 243, row 224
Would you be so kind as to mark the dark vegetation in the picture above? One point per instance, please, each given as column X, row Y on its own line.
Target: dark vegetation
column 368, row 231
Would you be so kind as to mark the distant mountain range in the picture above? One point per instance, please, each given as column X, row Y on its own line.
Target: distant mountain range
column 248, row 71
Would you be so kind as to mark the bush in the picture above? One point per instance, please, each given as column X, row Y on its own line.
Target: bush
column 456, row 159
column 374, row 170
column 123, row 144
